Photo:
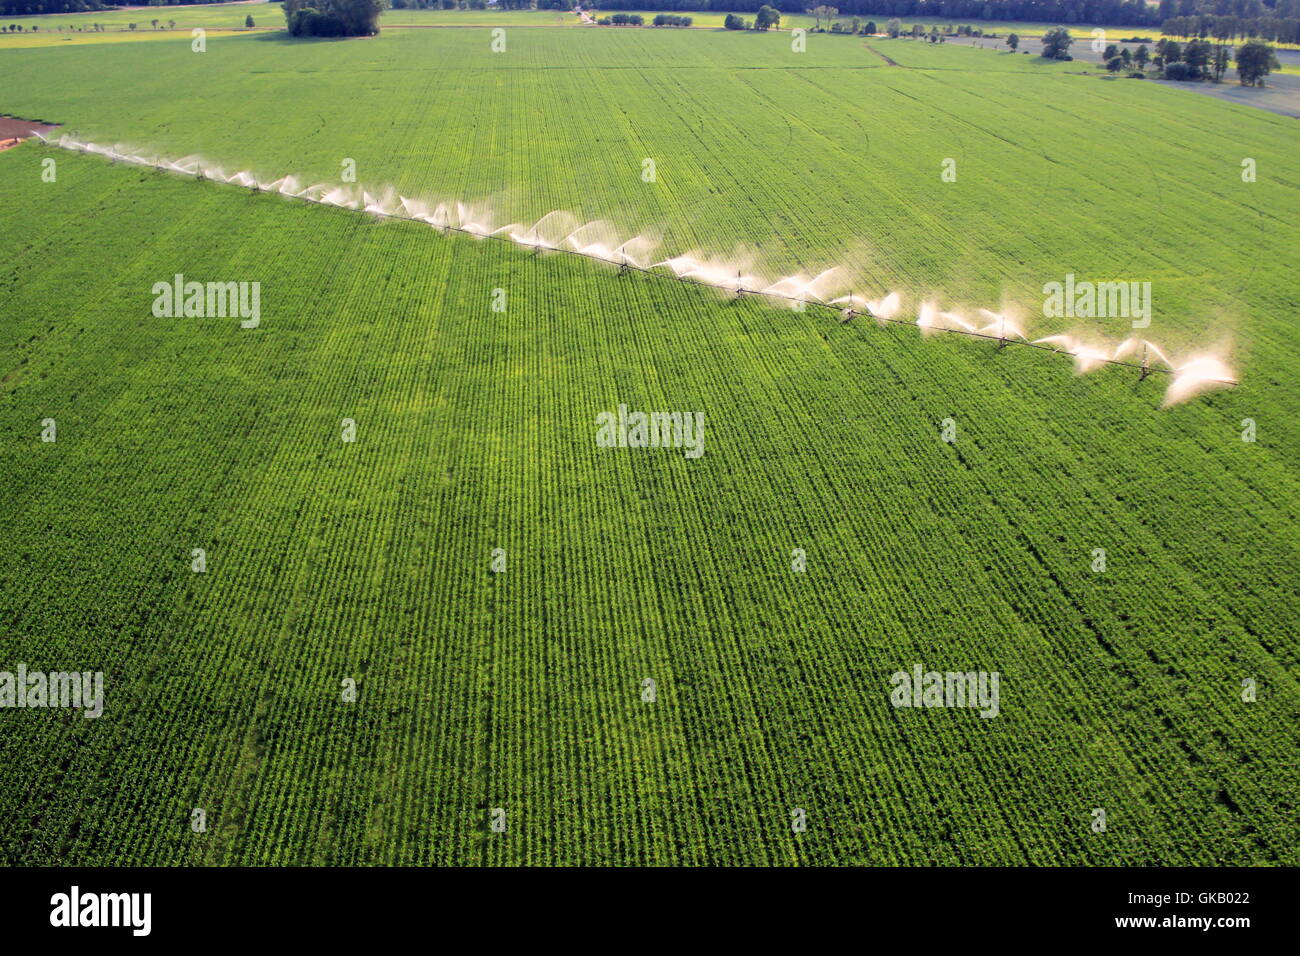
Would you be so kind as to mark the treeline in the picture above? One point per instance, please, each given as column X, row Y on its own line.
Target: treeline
column 1230, row 27
column 636, row 20
column 1200, row 60
column 482, row 4
column 30, row 8
column 479, row 5
column 1265, row 16
column 1224, row 20
column 1195, row 61
column 1113, row 12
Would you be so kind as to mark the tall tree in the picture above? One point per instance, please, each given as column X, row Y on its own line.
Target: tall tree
column 1254, row 62
column 1220, row 62
column 821, row 11
column 1056, row 43
column 1197, row 57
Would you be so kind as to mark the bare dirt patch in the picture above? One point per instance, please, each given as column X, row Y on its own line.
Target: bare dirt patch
column 13, row 130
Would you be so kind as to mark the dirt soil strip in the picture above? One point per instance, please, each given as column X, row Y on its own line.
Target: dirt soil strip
column 879, row 54
column 13, row 130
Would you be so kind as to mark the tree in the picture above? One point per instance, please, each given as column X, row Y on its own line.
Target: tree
column 1255, row 60
column 1220, row 62
column 1127, row 56
column 767, row 18
column 1140, row 56
column 1173, row 52
column 733, row 22
column 870, row 28
column 332, row 18
column 1115, row 64
column 248, row 22
column 171, row 24
column 1197, row 57
column 1013, row 42
column 894, row 27
column 1056, row 43
column 830, row 13
column 155, row 24
column 1112, row 51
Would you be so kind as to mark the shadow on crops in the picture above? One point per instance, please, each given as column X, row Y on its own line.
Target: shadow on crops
column 283, row 38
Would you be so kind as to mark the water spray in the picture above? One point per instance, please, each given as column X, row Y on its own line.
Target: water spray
column 1189, row 379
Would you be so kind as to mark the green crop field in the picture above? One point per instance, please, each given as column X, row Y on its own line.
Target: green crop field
column 498, row 588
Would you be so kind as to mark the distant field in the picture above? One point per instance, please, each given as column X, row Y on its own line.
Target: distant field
column 231, row 16
column 268, row 16
column 210, row 16
column 523, row 690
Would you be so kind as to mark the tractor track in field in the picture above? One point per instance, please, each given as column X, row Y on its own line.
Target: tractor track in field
column 888, row 61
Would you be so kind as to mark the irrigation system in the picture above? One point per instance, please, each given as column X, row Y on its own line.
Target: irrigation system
column 1189, row 379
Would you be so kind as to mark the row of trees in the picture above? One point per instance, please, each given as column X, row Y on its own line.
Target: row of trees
column 20, row 8
column 1276, row 20
column 1197, row 60
column 467, row 5
column 1109, row 12
column 500, row 4
column 1203, row 60
column 1224, row 28
column 1200, row 61
column 766, row 18
column 895, row 28
column 1267, row 19
column 99, row 27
